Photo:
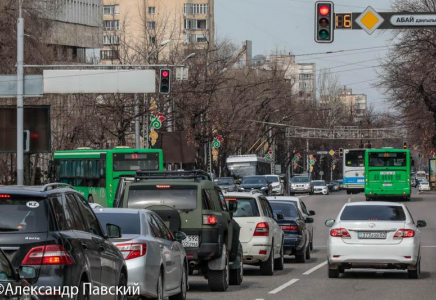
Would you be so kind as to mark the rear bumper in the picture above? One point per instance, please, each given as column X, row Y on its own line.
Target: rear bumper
column 253, row 248
column 293, row 243
column 206, row 251
column 403, row 192
column 140, row 275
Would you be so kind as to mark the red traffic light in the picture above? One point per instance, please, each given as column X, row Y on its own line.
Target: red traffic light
column 324, row 10
column 165, row 73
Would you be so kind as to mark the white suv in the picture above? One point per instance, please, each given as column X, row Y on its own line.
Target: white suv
column 261, row 236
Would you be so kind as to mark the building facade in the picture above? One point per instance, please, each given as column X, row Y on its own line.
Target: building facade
column 356, row 103
column 134, row 29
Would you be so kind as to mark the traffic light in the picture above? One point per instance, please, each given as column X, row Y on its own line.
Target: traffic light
column 405, row 145
column 324, row 21
column 341, row 152
column 165, row 81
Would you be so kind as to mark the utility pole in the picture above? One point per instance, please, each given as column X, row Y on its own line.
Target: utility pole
column 20, row 96
column 307, row 158
column 137, row 125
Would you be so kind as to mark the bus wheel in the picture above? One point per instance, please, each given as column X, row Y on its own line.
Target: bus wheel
column 90, row 199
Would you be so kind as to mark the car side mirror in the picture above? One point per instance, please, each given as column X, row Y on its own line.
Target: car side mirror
column 280, row 216
column 27, row 273
column 309, row 220
column 329, row 223
column 113, row 231
column 232, row 205
column 180, row 236
column 421, row 223
column 312, row 213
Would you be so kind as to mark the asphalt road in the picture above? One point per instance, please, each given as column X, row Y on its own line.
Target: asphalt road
column 310, row 281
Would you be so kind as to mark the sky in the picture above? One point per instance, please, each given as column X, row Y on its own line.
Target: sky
column 288, row 25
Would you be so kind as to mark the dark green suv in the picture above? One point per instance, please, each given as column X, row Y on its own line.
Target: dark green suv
column 190, row 202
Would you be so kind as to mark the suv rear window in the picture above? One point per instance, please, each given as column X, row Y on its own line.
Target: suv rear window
column 247, row 208
column 287, row 209
column 178, row 197
column 129, row 223
column 23, row 214
column 373, row 213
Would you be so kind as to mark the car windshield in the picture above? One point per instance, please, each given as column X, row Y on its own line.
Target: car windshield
column 373, row 213
column 5, row 269
column 225, row 181
column 129, row 223
column 319, row 183
column 23, row 214
column 272, row 179
column 287, row 209
column 300, row 179
column 254, row 180
column 178, row 197
column 247, row 208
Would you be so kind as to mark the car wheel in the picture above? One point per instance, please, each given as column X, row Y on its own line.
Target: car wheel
column 83, row 294
column 279, row 263
column 308, row 252
column 267, row 267
column 414, row 274
column 237, row 275
column 122, row 283
column 218, row 281
column 159, row 290
column 333, row 273
column 183, row 287
column 300, row 257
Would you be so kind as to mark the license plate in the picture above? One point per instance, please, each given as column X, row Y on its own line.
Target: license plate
column 387, row 184
column 191, row 241
column 371, row 235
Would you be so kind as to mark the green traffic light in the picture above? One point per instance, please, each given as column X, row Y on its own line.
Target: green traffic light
column 324, row 34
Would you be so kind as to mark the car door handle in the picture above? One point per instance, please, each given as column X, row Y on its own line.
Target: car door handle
column 84, row 246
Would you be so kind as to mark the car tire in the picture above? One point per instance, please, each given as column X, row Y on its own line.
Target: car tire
column 414, row 274
column 279, row 263
column 333, row 273
column 183, row 287
column 218, row 281
column 267, row 267
column 300, row 257
column 308, row 252
column 122, row 282
column 237, row 275
column 160, row 284
column 82, row 294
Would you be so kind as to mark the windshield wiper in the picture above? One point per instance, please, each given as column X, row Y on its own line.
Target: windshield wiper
column 8, row 229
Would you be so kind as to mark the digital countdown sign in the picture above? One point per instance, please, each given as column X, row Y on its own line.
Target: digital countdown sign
column 343, row 21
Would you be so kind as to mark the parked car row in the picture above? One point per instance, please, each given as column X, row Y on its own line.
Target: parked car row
column 166, row 226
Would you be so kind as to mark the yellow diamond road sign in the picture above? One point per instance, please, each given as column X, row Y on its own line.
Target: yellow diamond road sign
column 332, row 152
column 369, row 20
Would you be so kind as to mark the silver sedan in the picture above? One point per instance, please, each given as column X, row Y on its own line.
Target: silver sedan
column 156, row 260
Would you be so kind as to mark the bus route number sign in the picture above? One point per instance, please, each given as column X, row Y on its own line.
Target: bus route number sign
column 343, row 21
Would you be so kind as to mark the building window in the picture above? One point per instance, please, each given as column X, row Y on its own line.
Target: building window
column 111, row 40
column 111, row 25
column 195, row 38
column 109, row 54
column 111, row 9
column 195, row 9
column 151, row 10
column 152, row 39
column 151, row 25
column 305, row 76
column 196, row 24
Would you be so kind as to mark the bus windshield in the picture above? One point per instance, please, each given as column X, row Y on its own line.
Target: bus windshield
column 387, row 159
column 355, row 158
column 136, row 161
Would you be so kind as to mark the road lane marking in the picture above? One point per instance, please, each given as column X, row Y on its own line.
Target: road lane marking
column 315, row 268
column 283, row 286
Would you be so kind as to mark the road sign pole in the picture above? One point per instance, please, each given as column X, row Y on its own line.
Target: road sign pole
column 20, row 92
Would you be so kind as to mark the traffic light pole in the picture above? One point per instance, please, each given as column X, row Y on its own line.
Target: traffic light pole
column 20, row 96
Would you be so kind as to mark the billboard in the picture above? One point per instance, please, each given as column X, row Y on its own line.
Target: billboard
column 432, row 173
column 36, row 122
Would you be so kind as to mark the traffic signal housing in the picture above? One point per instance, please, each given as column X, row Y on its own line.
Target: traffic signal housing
column 164, row 81
column 405, row 145
column 324, row 22
column 341, row 152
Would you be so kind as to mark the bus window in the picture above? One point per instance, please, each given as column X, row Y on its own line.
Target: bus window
column 387, row 159
column 355, row 159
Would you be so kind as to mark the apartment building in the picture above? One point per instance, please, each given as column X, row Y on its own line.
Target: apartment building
column 76, row 32
column 307, row 80
column 357, row 103
column 134, row 29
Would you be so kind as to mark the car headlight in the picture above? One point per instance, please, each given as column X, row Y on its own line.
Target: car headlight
column 307, row 185
column 264, row 188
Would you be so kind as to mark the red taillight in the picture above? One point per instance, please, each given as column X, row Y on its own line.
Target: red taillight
column 404, row 233
column 163, row 186
column 340, row 232
column 131, row 251
column 209, row 220
column 5, row 196
column 47, row 255
column 289, row 227
column 262, row 229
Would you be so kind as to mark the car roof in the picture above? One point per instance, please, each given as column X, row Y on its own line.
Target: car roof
column 242, row 195
column 256, row 176
column 283, row 198
column 119, row 210
column 380, row 203
column 284, row 202
column 34, row 191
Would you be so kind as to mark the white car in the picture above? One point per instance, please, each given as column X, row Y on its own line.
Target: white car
column 303, row 209
column 378, row 235
column 261, row 236
column 277, row 185
column 424, row 186
column 320, row 187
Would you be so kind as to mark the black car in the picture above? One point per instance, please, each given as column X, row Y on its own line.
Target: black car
column 258, row 182
column 12, row 280
column 227, row 184
column 297, row 235
column 54, row 230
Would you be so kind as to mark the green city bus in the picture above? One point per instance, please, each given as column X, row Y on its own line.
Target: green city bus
column 387, row 173
column 95, row 173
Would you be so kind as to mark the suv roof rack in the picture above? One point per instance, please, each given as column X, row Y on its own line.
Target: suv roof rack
column 195, row 174
column 55, row 185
